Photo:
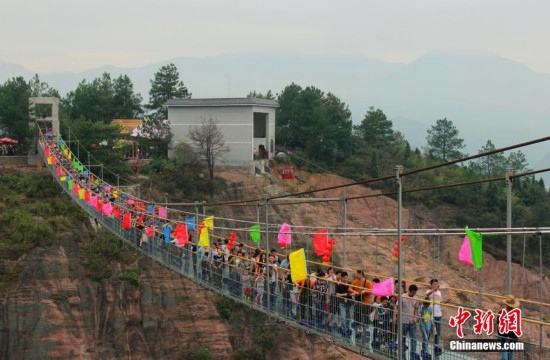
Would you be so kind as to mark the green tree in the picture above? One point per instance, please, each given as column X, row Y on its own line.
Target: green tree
column 517, row 162
column 91, row 100
column 376, row 129
column 317, row 123
column 14, row 108
column 103, row 99
column 258, row 95
column 491, row 165
column 443, row 141
column 165, row 85
column 98, row 138
column 156, row 133
column 126, row 104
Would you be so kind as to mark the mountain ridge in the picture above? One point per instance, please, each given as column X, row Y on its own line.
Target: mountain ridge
column 486, row 96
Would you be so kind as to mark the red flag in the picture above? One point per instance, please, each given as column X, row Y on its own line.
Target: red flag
column 201, row 225
column 320, row 241
column 181, row 234
column 126, row 220
column 99, row 206
column 116, row 212
column 87, row 196
column 150, row 231
column 140, row 221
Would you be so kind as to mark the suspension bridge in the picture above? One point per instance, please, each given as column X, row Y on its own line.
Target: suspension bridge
column 153, row 230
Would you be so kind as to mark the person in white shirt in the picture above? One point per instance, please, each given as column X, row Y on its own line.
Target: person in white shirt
column 409, row 316
column 435, row 296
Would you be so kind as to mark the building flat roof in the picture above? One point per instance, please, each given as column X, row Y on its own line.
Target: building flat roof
column 222, row 102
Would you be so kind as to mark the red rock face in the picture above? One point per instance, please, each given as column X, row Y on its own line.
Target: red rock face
column 55, row 311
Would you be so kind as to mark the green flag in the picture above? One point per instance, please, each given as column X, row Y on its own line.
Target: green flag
column 254, row 232
column 476, row 243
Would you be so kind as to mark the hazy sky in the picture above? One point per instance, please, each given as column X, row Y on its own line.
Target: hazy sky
column 62, row 35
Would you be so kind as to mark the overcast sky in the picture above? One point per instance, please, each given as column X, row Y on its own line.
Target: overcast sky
column 62, row 35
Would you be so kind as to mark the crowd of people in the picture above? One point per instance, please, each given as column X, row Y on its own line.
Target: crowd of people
column 7, row 149
column 330, row 300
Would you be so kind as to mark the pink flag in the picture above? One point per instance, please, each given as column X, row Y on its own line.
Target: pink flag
column 383, row 288
column 107, row 207
column 284, row 237
column 162, row 212
column 465, row 253
column 130, row 201
column 93, row 200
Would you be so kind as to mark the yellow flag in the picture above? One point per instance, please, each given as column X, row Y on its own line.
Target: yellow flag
column 62, row 178
column 298, row 266
column 49, row 160
column 81, row 193
column 204, row 239
column 209, row 222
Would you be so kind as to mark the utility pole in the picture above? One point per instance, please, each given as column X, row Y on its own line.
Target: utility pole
column 399, row 180
column 509, row 174
column 344, row 225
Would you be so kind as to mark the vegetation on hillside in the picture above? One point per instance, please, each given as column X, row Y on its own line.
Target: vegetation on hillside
column 311, row 124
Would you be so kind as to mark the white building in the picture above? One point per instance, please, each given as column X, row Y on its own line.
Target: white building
column 246, row 123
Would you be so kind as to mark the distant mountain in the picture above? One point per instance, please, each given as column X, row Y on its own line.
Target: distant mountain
column 487, row 97
column 9, row 70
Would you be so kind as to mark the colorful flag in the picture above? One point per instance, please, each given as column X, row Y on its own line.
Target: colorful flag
column 383, row 288
column 107, row 207
column 150, row 208
column 320, row 241
column 284, row 237
column 162, row 212
column 81, row 193
column 71, row 184
column 298, row 266
column 181, row 234
column 465, row 253
column 167, row 230
column 99, row 206
column 476, row 245
column 126, row 220
column 209, row 222
column 150, row 231
column 204, row 238
column 254, row 232
column 190, row 222
column 93, row 200
column 116, row 212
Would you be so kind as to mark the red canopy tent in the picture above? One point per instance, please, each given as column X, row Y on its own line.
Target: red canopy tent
column 7, row 140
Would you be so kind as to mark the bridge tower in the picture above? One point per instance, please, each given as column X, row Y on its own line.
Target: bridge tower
column 45, row 112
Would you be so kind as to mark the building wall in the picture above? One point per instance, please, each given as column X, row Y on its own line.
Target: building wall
column 235, row 122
